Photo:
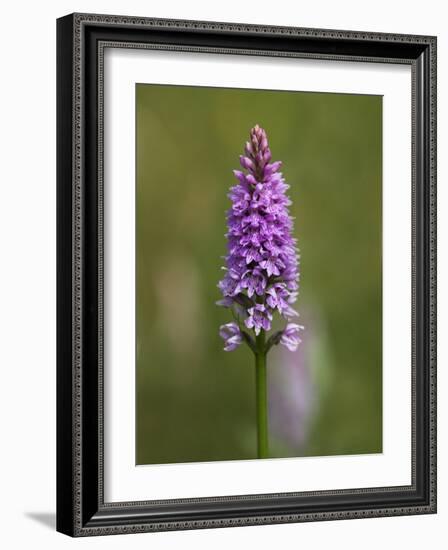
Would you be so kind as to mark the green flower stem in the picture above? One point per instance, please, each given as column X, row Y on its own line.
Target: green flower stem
column 261, row 396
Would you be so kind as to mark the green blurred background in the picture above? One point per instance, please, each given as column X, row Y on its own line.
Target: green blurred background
column 196, row 402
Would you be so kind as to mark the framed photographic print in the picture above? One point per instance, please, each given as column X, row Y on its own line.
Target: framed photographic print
column 246, row 274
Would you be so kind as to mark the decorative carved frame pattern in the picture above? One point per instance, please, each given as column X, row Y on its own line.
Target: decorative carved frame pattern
column 81, row 507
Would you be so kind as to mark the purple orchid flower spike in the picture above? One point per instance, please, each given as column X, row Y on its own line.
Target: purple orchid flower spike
column 262, row 264
column 261, row 272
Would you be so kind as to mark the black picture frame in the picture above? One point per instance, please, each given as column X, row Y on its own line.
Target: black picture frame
column 81, row 510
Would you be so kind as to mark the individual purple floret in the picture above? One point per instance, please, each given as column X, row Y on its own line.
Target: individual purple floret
column 261, row 271
column 260, row 317
column 231, row 335
column 290, row 336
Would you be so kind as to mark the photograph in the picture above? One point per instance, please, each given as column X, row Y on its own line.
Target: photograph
column 258, row 292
